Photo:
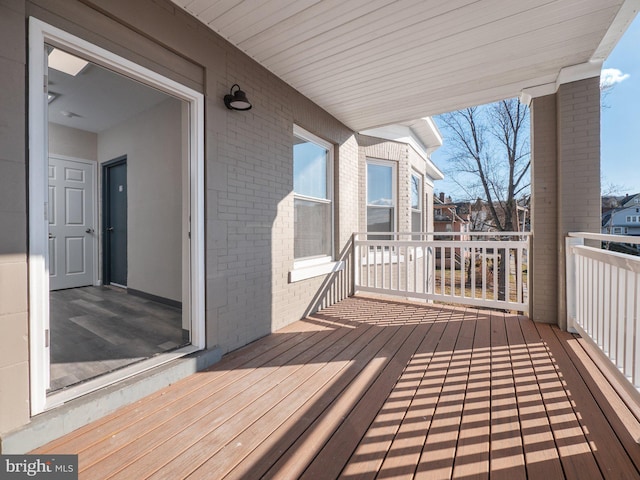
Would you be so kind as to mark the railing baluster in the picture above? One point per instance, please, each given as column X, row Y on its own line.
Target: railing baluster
column 507, row 274
column 483, row 260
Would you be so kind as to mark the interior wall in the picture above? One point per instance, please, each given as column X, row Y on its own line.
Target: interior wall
column 72, row 142
column 152, row 142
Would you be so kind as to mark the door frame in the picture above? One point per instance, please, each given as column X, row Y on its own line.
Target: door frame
column 106, row 251
column 39, row 34
column 96, row 237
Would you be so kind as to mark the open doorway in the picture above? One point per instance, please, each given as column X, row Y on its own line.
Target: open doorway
column 122, row 150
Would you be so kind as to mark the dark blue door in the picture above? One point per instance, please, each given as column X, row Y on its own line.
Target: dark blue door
column 115, row 222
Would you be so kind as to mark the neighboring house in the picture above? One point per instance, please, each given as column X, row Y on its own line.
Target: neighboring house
column 611, row 202
column 449, row 216
column 623, row 221
column 129, row 159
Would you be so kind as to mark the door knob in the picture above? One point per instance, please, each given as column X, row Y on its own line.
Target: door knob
column 89, row 230
column 51, row 235
column 109, row 229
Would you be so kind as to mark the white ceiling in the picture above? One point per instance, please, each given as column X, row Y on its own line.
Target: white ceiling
column 97, row 98
column 379, row 62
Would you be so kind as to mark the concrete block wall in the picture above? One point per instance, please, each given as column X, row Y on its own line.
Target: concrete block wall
column 14, row 348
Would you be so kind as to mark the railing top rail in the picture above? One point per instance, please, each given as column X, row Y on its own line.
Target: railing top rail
column 622, row 260
column 604, row 237
column 449, row 234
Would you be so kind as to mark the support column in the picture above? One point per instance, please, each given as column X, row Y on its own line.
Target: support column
column 570, row 201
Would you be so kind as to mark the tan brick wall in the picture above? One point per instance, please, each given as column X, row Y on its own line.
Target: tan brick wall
column 579, row 202
column 565, row 187
column 14, row 367
column 398, row 153
column 544, row 220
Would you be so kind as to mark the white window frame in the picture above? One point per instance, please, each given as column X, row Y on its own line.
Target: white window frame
column 420, row 209
column 309, row 267
column 39, row 34
column 394, row 188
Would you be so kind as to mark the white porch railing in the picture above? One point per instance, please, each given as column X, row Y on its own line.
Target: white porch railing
column 603, row 299
column 477, row 269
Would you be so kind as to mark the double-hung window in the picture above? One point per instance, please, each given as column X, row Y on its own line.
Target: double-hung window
column 313, row 206
column 416, row 202
column 381, row 196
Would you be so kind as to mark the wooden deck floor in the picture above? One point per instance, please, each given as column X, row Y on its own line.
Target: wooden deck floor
column 377, row 389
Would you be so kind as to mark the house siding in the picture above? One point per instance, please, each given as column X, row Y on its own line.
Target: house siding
column 248, row 169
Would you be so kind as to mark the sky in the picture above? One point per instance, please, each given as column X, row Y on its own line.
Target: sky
column 619, row 122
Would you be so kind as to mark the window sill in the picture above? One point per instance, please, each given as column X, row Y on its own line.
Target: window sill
column 304, row 273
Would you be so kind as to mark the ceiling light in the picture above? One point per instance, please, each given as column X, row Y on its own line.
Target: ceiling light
column 66, row 63
column 237, row 100
column 68, row 114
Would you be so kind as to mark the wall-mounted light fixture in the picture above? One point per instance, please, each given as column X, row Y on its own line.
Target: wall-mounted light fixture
column 237, row 100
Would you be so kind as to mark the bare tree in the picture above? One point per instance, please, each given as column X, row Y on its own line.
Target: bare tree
column 490, row 156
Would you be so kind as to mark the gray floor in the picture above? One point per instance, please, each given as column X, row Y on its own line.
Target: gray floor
column 95, row 330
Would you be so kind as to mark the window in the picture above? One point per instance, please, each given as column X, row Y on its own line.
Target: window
column 381, row 196
column 313, row 212
column 416, row 202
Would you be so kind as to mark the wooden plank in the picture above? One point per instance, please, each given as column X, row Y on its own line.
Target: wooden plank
column 100, row 443
column 573, row 448
column 290, row 416
column 221, row 450
column 376, row 444
column 375, row 388
column 439, row 450
column 541, row 456
column 625, row 404
column 612, row 457
column 252, row 356
column 194, row 421
column 408, row 442
column 506, row 452
column 472, row 455
column 331, row 459
column 294, row 462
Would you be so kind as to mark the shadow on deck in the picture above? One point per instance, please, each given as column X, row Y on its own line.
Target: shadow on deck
column 372, row 388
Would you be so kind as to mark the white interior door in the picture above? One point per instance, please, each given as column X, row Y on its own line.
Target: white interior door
column 71, row 223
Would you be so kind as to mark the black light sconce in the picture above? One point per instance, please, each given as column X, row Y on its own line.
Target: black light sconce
column 237, row 100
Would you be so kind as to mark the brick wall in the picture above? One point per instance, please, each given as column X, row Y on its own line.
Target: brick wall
column 543, row 281
column 565, row 187
column 578, row 169
column 14, row 367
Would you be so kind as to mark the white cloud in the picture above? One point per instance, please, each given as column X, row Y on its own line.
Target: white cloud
column 611, row 76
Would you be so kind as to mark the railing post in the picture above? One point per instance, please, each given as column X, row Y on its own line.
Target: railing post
column 356, row 263
column 571, row 289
